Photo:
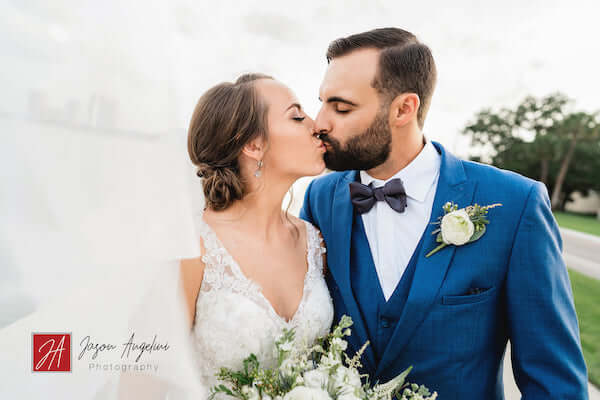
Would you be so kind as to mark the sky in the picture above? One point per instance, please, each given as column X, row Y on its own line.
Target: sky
column 149, row 64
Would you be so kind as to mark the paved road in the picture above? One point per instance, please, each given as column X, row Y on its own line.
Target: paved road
column 581, row 252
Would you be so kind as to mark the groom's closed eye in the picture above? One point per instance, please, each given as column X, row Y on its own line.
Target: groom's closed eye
column 342, row 108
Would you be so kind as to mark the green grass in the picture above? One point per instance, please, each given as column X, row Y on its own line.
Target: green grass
column 586, row 291
column 578, row 222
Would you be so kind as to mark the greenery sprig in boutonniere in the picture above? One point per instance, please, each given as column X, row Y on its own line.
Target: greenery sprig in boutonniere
column 459, row 227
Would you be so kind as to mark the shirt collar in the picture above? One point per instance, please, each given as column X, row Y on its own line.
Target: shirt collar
column 418, row 176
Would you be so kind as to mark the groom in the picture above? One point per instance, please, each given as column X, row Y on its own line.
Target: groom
column 451, row 314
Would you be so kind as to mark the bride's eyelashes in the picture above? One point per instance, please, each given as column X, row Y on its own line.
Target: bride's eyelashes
column 299, row 119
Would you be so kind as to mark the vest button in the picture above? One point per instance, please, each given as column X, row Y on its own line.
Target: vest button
column 385, row 323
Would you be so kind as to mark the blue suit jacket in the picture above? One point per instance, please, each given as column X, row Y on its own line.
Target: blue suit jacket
column 456, row 341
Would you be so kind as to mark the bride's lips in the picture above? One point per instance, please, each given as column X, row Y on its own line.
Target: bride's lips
column 320, row 143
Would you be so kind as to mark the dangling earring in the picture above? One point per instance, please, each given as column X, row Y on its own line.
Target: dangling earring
column 258, row 171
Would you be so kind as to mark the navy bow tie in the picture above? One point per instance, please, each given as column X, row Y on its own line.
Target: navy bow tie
column 364, row 197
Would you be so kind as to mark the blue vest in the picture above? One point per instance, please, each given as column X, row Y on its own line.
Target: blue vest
column 380, row 317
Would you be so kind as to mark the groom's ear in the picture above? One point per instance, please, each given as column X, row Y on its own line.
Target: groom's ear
column 404, row 109
column 255, row 149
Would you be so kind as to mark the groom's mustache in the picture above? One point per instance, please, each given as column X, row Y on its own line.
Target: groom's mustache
column 333, row 144
column 324, row 138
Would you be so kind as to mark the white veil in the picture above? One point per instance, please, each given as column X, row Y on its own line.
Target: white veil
column 97, row 203
column 103, row 268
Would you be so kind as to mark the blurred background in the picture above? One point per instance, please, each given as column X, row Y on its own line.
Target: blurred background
column 96, row 98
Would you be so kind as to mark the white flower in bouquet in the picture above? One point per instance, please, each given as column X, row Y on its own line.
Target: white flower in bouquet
column 317, row 379
column 330, row 360
column 339, row 343
column 251, row 393
column 349, row 396
column 307, row 393
column 287, row 366
column 287, row 345
column 347, row 377
column 457, row 227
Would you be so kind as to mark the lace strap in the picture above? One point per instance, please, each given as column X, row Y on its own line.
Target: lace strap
column 209, row 239
column 221, row 270
column 315, row 248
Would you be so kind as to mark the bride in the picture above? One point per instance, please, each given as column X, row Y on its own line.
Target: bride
column 260, row 269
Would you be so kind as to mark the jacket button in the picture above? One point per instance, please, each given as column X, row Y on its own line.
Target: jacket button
column 385, row 323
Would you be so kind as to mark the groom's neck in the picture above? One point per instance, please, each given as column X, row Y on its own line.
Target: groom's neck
column 406, row 146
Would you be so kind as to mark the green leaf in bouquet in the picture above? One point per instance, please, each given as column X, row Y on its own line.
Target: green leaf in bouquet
column 251, row 364
column 219, row 389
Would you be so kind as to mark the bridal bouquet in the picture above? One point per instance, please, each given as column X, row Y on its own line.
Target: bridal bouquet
column 321, row 371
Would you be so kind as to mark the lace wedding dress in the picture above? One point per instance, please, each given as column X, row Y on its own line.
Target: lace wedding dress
column 234, row 318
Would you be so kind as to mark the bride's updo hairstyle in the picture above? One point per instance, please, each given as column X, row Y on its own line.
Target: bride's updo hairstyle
column 226, row 118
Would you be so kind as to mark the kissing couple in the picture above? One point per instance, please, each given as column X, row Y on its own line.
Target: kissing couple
column 363, row 244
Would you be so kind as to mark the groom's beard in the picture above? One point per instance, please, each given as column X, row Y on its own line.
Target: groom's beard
column 362, row 152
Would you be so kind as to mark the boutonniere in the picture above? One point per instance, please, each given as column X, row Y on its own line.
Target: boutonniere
column 459, row 227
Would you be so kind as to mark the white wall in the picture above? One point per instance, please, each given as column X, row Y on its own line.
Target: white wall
column 589, row 204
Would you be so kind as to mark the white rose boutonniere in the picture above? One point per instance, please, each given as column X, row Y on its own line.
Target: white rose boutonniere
column 459, row 227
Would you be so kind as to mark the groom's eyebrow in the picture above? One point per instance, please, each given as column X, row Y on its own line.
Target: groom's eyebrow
column 337, row 99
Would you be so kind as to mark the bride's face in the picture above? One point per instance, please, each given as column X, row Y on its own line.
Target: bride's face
column 293, row 149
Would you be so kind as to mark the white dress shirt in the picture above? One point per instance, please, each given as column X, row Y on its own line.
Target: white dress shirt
column 392, row 236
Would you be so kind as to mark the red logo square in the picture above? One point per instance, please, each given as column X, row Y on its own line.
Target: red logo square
column 51, row 352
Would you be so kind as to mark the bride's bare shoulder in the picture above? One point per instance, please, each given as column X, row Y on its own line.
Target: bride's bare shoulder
column 192, row 272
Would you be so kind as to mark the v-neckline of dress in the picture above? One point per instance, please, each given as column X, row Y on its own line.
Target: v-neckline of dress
column 241, row 275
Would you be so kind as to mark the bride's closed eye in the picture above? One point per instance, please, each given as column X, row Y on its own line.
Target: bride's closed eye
column 299, row 119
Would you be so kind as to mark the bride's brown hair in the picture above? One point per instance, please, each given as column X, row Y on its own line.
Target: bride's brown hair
column 226, row 118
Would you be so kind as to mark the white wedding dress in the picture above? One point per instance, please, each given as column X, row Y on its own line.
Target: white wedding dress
column 234, row 318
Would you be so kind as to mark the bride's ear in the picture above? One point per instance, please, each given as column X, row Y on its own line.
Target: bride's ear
column 255, row 149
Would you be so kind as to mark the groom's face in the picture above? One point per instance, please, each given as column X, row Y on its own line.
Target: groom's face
column 353, row 120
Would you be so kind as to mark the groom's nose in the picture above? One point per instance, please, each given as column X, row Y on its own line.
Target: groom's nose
column 322, row 123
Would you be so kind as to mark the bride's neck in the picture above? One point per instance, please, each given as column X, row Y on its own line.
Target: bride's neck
column 260, row 210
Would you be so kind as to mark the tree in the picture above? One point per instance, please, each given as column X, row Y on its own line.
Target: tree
column 584, row 174
column 575, row 128
column 538, row 135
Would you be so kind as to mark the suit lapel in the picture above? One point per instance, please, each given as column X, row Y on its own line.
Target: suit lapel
column 339, row 255
column 430, row 272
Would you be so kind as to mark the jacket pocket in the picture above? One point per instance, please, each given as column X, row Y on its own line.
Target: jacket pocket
column 468, row 299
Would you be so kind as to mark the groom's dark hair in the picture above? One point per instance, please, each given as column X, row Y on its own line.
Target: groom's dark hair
column 405, row 64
